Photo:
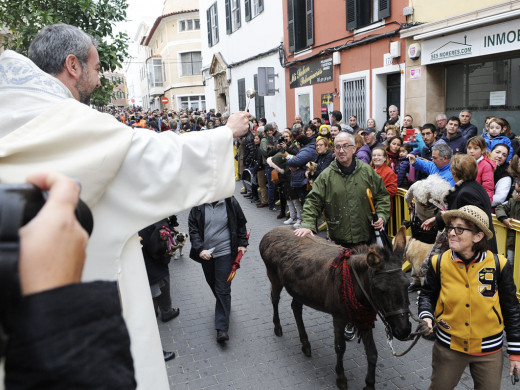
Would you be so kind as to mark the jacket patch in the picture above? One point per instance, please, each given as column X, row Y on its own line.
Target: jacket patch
column 444, row 324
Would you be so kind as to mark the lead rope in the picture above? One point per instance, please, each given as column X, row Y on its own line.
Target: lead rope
column 388, row 329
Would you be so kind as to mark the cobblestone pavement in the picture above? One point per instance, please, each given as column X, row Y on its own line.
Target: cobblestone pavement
column 255, row 358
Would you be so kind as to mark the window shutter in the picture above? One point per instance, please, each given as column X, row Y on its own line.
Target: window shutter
column 384, row 9
column 208, row 16
column 216, row 23
column 247, row 9
column 228, row 17
column 260, row 6
column 290, row 24
column 309, row 16
column 239, row 16
column 351, row 14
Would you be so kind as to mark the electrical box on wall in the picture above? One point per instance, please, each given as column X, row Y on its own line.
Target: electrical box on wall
column 395, row 49
column 336, row 58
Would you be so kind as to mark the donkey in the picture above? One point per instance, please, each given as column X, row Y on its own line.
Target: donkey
column 303, row 267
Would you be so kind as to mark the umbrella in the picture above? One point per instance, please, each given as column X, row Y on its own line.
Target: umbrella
column 381, row 237
column 236, row 263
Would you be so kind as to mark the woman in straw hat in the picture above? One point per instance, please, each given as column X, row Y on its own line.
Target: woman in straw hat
column 470, row 293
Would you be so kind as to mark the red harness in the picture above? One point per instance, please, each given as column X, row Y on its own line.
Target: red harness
column 363, row 317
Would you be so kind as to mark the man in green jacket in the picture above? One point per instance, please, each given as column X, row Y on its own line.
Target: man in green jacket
column 340, row 191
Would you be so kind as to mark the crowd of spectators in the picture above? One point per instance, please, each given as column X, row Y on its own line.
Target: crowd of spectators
column 281, row 164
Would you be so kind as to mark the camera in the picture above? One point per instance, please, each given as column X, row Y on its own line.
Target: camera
column 281, row 140
column 19, row 203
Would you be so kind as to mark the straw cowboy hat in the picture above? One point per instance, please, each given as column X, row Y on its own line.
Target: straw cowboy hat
column 472, row 214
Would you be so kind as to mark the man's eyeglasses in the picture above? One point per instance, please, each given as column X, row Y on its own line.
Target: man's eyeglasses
column 458, row 230
column 344, row 147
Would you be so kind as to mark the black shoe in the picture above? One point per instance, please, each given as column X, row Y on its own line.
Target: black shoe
column 168, row 355
column 350, row 332
column 281, row 215
column 171, row 315
column 248, row 196
column 413, row 287
column 255, row 200
column 243, row 192
column 222, row 335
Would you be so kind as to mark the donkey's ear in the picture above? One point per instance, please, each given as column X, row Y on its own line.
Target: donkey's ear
column 373, row 259
column 400, row 241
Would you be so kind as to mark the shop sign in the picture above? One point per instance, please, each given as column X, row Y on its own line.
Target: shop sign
column 415, row 74
column 315, row 72
column 497, row 38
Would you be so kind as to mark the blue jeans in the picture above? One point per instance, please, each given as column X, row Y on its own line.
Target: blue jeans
column 271, row 188
column 216, row 272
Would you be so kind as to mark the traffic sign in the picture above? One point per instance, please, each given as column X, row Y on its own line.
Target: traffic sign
column 164, row 100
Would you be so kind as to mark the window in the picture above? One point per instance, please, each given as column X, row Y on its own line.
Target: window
column 212, row 20
column 155, row 73
column 191, row 63
column 253, row 8
column 194, row 102
column 189, row 24
column 232, row 15
column 259, row 101
column 485, row 88
column 361, row 13
column 241, row 94
column 300, row 24
column 354, row 103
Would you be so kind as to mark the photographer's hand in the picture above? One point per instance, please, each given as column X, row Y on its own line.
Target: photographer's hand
column 52, row 244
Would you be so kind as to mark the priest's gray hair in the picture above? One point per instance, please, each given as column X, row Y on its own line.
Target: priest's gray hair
column 51, row 46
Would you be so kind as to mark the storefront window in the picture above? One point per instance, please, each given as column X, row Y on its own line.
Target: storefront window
column 485, row 88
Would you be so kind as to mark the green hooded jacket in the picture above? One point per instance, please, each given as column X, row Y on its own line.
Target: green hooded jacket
column 345, row 202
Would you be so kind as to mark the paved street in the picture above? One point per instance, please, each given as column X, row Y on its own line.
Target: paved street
column 255, row 358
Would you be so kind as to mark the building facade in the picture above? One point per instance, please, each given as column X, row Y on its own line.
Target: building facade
column 172, row 65
column 119, row 98
column 241, row 42
column 344, row 55
column 465, row 55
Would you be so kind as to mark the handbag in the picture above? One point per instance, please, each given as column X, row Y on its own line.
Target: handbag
column 274, row 176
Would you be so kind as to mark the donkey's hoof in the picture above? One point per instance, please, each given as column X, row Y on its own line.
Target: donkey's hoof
column 342, row 383
column 278, row 332
column 306, row 349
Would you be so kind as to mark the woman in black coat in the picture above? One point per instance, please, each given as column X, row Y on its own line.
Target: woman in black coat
column 217, row 234
column 467, row 191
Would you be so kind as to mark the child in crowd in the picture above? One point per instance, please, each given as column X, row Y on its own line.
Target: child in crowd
column 476, row 147
column 497, row 135
column 506, row 212
column 405, row 172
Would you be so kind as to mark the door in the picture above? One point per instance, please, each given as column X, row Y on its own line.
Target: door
column 393, row 91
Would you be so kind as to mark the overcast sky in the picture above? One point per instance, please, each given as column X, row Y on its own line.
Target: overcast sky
column 139, row 10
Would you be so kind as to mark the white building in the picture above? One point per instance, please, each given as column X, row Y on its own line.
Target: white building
column 238, row 37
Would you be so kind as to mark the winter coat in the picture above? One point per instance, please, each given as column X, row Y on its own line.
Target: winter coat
column 322, row 162
column 156, row 263
column 469, row 193
column 473, row 305
column 430, row 168
column 457, row 143
column 511, row 209
column 344, row 200
column 58, row 331
column 306, row 154
column 427, row 150
column 503, row 185
column 236, row 223
column 364, row 154
column 468, row 130
column 393, row 160
column 485, row 175
column 389, row 179
column 402, row 171
column 501, row 139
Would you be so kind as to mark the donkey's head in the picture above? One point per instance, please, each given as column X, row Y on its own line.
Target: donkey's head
column 388, row 286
